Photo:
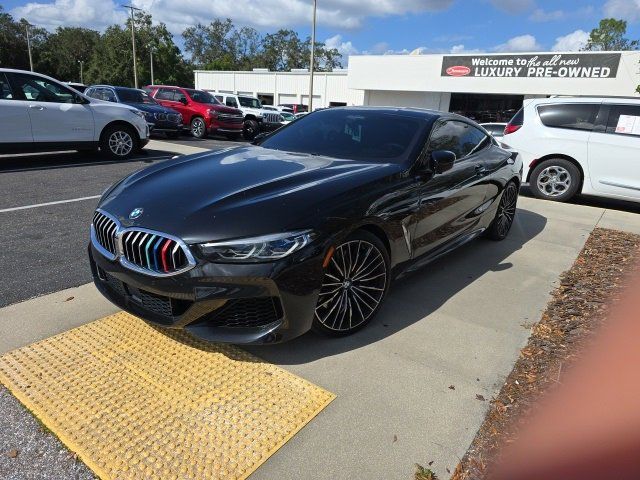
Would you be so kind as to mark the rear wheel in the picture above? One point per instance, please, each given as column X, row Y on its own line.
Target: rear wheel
column 555, row 179
column 198, row 127
column 118, row 141
column 355, row 283
column 499, row 228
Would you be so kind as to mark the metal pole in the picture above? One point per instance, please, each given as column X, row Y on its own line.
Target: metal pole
column 29, row 47
column 313, row 54
column 81, row 79
column 133, row 43
column 151, row 52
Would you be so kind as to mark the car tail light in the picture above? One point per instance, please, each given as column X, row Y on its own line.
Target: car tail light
column 510, row 128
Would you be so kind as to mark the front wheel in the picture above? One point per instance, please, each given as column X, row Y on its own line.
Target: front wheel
column 250, row 129
column 555, row 179
column 355, row 283
column 118, row 141
column 501, row 224
column 198, row 127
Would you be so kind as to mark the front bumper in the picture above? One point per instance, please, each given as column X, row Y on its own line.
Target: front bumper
column 270, row 127
column 165, row 127
column 235, row 303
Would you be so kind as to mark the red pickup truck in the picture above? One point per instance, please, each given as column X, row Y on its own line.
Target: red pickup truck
column 201, row 112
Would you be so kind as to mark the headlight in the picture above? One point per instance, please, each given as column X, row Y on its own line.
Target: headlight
column 268, row 247
column 212, row 113
column 139, row 113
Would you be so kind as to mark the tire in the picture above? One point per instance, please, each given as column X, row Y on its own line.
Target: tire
column 198, row 127
column 119, row 141
column 348, row 302
column 250, row 129
column 502, row 222
column 555, row 179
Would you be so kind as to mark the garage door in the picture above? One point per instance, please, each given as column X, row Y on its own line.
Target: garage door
column 285, row 98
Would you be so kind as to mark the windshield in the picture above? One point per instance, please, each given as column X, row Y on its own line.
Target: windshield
column 349, row 134
column 127, row 95
column 249, row 102
column 202, row 97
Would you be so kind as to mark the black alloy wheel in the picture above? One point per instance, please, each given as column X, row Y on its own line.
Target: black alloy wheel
column 505, row 214
column 355, row 283
column 250, row 129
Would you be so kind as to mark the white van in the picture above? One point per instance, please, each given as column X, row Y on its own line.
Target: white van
column 571, row 145
column 38, row 113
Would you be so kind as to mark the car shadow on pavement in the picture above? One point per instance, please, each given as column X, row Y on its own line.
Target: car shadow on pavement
column 415, row 296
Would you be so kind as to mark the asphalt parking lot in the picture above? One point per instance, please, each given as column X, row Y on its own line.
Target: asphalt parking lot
column 46, row 204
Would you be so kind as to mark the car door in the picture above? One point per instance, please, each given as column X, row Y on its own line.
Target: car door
column 55, row 116
column 15, row 124
column 448, row 200
column 173, row 98
column 614, row 151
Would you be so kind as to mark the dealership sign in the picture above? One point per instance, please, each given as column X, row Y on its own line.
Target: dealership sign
column 552, row 65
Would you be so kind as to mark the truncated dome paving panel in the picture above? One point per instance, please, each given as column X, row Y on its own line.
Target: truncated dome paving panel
column 135, row 403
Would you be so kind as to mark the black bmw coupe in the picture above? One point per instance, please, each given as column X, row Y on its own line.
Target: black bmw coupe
column 306, row 228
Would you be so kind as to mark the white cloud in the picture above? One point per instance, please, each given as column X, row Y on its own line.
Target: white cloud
column 540, row 15
column 571, row 42
column 462, row 49
column 628, row 10
column 265, row 14
column 345, row 48
column 521, row 43
column 85, row 13
column 514, row 6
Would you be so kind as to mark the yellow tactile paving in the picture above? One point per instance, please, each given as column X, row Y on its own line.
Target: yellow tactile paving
column 137, row 404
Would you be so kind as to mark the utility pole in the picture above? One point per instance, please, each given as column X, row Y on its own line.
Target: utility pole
column 151, row 53
column 313, row 55
column 27, row 25
column 133, row 42
column 81, row 79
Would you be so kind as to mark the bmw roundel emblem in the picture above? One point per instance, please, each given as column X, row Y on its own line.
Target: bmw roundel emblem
column 136, row 213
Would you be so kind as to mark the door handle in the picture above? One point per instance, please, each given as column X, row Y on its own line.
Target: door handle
column 480, row 169
column 37, row 107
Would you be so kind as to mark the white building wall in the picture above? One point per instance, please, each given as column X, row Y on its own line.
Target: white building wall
column 286, row 87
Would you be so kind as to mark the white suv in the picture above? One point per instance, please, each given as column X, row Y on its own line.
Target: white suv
column 256, row 118
column 576, row 145
column 42, row 114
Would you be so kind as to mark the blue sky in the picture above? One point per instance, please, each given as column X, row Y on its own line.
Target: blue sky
column 370, row 26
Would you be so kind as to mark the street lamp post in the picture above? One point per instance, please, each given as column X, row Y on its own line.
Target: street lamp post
column 151, row 53
column 27, row 25
column 81, row 76
column 313, row 54
column 133, row 42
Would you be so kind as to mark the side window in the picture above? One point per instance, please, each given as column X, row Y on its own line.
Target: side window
column 5, row 88
column 178, row 96
column 164, row 94
column 105, row 94
column 574, row 116
column 624, row 120
column 219, row 98
column 458, row 137
column 231, row 102
column 38, row 89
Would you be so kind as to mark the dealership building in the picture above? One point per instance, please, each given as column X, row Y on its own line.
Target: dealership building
column 487, row 87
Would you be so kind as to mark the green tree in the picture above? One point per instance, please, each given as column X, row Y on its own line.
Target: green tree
column 66, row 48
column 13, row 43
column 610, row 35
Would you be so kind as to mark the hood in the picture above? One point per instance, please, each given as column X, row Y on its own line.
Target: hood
column 225, row 109
column 102, row 103
column 237, row 192
column 145, row 107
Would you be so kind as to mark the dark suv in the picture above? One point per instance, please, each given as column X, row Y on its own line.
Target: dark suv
column 160, row 119
column 200, row 110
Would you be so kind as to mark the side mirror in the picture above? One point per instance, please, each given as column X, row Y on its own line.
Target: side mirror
column 79, row 99
column 442, row 160
column 258, row 138
column 183, row 101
